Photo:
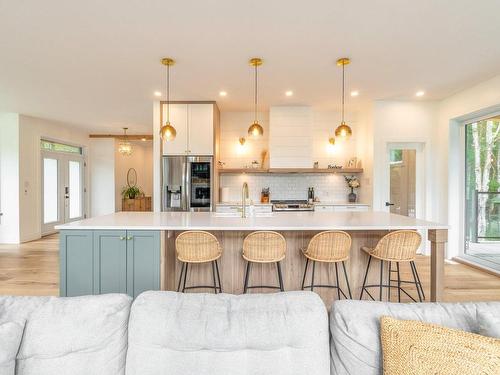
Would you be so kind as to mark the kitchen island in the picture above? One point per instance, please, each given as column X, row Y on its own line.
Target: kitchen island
column 134, row 251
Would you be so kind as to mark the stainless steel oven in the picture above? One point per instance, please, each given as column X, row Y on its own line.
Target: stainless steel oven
column 187, row 183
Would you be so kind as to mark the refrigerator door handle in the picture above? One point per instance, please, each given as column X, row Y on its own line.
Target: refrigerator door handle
column 187, row 185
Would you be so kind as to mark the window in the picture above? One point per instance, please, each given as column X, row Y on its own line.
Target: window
column 396, row 156
column 482, row 191
column 59, row 147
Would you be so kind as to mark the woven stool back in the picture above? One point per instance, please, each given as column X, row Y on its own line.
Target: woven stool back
column 400, row 245
column 329, row 246
column 264, row 247
column 197, row 247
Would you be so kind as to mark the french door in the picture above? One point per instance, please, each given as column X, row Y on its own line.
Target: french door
column 62, row 189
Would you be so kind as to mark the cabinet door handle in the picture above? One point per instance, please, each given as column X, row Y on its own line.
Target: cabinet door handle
column 129, row 238
column 122, row 238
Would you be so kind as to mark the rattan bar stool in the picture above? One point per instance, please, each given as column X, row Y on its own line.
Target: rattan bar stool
column 198, row 247
column 264, row 247
column 395, row 247
column 328, row 247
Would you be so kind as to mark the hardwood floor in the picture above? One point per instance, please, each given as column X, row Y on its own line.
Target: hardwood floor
column 33, row 269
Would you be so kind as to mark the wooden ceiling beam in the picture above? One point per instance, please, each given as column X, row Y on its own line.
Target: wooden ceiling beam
column 130, row 137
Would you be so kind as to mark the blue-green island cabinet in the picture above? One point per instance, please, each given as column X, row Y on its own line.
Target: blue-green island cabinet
column 109, row 261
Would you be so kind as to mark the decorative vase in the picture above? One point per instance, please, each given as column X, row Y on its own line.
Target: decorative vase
column 352, row 196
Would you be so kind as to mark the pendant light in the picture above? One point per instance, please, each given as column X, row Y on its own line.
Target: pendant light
column 255, row 130
column 343, row 130
column 124, row 147
column 167, row 131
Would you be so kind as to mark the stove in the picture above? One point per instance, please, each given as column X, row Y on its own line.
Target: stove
column 292, row 205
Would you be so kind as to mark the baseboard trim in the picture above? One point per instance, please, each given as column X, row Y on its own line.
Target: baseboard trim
column 475, row 265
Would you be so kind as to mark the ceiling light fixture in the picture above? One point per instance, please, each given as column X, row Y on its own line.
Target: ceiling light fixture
column 331, row 141
column 289, row 93
column 223, row 93
column 343, row 130
column 420, row 93
column 255, row 130
column 157, row 93
column 242, row 140
column 124, row 147
column 354, row 93
column 167, row 131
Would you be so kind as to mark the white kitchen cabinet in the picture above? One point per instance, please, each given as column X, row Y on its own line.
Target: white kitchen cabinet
column 179, row 120
column 201, row 129
column 194, row 124
column 323, row 208
column 350, row 208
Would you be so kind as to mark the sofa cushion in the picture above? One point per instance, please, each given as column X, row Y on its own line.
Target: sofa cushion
column 489, row 322
column 355, row 329
column 279, row 333
column 11, row 333
column 79, row 335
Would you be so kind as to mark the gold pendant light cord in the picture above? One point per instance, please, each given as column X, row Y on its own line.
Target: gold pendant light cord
column 168, row 93
column 255, row 95
column 343, row 91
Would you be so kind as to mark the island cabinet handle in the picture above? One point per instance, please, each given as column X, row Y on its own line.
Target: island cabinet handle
column 122, row 238
column 129, row 238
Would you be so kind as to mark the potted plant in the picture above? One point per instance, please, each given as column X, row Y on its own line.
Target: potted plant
column 352, row 183
column 131, row 192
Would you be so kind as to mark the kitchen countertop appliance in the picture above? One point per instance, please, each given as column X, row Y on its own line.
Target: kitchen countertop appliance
column 292, row 205
column 187, row 183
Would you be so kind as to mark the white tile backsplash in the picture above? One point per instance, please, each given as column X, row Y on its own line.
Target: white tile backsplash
column 327, row 187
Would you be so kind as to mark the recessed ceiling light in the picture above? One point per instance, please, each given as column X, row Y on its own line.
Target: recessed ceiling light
column 289, row 93
column 420, row 93
column 354, row 93
column 157, row 93
column 223, row 93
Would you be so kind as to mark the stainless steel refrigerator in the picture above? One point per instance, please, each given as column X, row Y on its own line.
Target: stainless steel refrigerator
column 187, row 183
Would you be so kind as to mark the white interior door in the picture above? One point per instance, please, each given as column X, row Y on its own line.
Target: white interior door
column 62, row 189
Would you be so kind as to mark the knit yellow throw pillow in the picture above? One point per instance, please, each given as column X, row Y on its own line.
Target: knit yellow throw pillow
column 415, row 348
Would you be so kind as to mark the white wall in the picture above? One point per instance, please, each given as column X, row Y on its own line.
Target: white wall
column 142, row 161
column 9, row 178
column 102, row 176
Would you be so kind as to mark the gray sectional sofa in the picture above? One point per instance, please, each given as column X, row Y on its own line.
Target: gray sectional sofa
column 180, row 334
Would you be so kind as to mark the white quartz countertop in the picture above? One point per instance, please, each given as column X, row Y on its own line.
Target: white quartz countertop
column 211, row 221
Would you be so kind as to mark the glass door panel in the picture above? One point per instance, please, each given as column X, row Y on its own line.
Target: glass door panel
column 482, row 192
column 74, row 190
column 50, row 190
column 402, row 190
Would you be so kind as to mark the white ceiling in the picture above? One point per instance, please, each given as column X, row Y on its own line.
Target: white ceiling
column 96, row 63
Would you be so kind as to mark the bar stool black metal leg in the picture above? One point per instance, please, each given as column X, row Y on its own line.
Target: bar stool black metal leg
column 218, row 274
column 213, row 276
column 418, row 279
column 305, row 273
column 366, row 275
column 381, row 278
column 399, row 282
column 416, row 282
column 312, row 276
column 347, row 280
column 337, row 279
column 389, row 282
column 247, row 273
column 280, row 276
column 180, row 277
column 185, row 277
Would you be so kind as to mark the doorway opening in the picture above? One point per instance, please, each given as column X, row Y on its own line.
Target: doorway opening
column 62, row 172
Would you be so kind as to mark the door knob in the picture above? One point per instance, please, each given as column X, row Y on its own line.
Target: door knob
column 387, row 204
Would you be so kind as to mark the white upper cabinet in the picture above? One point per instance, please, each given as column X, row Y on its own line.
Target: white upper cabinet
column 201, row 129
column 179, row 120
column 194, row 124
